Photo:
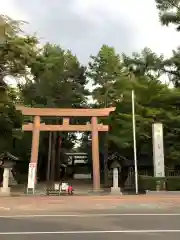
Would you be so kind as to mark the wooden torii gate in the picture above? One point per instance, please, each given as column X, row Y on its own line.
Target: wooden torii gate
column 36, row 127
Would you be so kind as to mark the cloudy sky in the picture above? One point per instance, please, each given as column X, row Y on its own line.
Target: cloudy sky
column 84, row 25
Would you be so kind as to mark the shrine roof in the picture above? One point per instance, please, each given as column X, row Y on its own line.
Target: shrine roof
column 8, row 155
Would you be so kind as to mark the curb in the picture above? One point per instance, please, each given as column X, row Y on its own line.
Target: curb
column 162, row 193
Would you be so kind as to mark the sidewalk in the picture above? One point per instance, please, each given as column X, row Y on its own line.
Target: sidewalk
column 84, row 200
column 87, row 203
column 81, row 190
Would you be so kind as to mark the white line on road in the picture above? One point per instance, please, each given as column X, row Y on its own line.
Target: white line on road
column 89, row 215
column 91, row 232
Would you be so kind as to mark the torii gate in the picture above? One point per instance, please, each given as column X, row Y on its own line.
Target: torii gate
column 93, row 127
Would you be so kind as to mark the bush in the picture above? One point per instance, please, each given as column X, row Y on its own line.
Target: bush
column 150, row 183
column 173, row 183
column 164, row 183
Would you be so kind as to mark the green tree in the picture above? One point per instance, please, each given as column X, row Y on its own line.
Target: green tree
column 15, row 53
column 58, row 79
column 10, row 119
column 146, row 63
column 169, row 12
column 103, row 70
column 155, row 102
column 171, row 68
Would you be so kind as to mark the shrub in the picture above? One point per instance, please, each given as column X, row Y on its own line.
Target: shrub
column 173, row 183
column 165, row 183
column 150, row 183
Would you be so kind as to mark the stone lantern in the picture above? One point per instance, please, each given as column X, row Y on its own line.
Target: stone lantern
column 7, row 161
column 116, row 167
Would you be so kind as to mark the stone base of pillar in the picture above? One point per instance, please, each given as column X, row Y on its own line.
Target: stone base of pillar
column 116, row 191
column 5, row 191
column 30, row 191
column 95, row 191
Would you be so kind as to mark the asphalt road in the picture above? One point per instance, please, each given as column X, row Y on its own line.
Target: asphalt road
column 95, row 226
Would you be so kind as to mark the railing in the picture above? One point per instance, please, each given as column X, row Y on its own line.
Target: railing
column 149, row 172
column 172, row 173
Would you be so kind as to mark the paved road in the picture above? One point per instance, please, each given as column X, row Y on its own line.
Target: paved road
column 89, row 226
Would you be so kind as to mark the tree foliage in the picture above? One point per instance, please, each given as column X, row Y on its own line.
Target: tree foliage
column 161, row 106
column 104, row 70
column 169, row 12
column 58, row 79
column 15, row 53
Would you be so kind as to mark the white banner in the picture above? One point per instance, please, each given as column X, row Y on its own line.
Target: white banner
column 32, row 175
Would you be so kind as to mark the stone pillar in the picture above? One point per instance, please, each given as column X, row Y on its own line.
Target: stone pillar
column 115, row 189
column 95, row 155
column 158, row 150
column 5, row 190
column 34, row 150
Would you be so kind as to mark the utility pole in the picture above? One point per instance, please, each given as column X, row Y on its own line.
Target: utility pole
column 134, row 141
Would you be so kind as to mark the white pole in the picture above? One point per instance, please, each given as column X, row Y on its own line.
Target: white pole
column 134, row 142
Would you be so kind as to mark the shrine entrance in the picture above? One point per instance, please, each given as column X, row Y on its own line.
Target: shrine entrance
column 94, row 127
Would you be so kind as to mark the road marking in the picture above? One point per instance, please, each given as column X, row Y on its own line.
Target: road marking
column 88, row 215
column 91, row 232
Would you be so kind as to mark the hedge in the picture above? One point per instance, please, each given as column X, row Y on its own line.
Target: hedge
column 159, row 183
column 173, row 183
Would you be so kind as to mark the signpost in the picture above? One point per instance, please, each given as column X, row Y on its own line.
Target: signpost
column 31, row 178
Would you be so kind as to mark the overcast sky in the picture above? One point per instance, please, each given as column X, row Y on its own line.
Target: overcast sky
column 84, row 25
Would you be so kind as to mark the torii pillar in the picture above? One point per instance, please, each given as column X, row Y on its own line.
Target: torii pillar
column 35, row 140
column 95, row 154
column 32, row 174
